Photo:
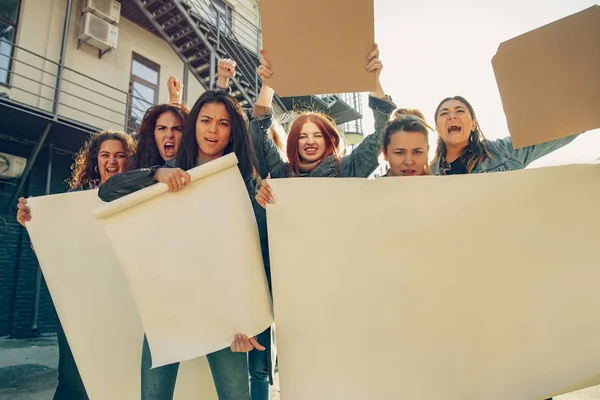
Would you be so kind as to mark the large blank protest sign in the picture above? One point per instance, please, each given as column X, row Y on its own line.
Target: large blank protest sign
column 318, row 47
column 460, row 287
column 548, row 79
column 94, row 303
column 194, row 262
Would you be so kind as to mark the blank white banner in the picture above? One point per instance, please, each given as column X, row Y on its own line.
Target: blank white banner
column 194, row 262
column 459, row 287
column 94, row 303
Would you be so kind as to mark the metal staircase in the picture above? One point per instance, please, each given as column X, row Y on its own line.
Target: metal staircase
column 201, row 35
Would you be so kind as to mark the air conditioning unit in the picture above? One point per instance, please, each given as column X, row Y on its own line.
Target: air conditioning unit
column 11, row 166
column 108, row 10
column 97, row 32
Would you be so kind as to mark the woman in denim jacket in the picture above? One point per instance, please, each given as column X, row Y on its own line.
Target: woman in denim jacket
column 462, row 148
column 104, row 155
column 216, row 126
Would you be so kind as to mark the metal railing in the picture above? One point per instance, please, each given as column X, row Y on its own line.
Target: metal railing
column 243, row 40
column 353, row 127
column 240, row 38
column 72, row 96
column 351, row 99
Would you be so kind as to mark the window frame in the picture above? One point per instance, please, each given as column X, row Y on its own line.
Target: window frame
column 136, row 79
column 222, row 4
column 15, row 25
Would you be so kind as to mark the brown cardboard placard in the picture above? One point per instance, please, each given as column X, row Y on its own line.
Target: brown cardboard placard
column 549, row 79
column 318, row 47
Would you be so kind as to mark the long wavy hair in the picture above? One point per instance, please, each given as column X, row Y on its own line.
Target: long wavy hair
column 333, row 139
column 147, row 153
column 240, row 143
column 476, row 150
column 86, row 160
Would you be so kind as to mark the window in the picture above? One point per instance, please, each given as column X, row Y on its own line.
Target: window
column 223, row 15
column 143, row 90
column 9, row 16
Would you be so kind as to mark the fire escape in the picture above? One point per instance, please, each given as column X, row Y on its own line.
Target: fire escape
column 203, row 31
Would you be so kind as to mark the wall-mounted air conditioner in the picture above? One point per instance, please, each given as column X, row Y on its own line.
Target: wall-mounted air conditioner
column 108, row 10
column 11, row 166
column 98, row 33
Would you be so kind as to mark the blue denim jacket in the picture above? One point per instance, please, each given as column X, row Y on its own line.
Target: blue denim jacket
column 360, row 163
column 503, row 156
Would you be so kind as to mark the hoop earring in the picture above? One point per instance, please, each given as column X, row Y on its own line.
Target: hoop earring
column 96, row 169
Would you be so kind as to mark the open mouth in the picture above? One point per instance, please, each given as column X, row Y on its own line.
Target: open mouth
column 169, row 149
column 454, row 129
column 112, row 170
column 211, row 140
column 409, row 172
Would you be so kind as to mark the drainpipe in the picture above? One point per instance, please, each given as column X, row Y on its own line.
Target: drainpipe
column 213, row 67
column 38, row 280
column 186, row 78
column 61, row 59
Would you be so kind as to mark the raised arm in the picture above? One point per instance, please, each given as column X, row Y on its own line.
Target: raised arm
column 527, row 155
column 225, row 71
column 175, row 90
column 267, row 154
column 364, row 159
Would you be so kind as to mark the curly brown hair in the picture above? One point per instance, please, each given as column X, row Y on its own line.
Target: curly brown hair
column 84, row 169
column 147, row 153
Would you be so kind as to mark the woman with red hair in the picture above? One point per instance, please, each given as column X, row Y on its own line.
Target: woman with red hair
column 314, row 145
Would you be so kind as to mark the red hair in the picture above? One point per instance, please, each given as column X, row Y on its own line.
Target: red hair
column 326, row 125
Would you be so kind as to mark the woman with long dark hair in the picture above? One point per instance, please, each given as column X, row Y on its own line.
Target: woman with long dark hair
column 462, row 148
column 158, row 138
column 216, row 126
column 104, row 155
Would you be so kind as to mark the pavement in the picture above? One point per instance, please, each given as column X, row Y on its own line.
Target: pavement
column 28, row 371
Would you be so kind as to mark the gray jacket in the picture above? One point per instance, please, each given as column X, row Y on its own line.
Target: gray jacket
column 359, row 164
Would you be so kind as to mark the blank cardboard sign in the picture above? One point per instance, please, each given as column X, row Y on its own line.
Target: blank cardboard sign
column 318, row 47
column 549, row 79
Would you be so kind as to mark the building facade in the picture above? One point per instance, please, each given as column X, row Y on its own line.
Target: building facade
column 72, row 67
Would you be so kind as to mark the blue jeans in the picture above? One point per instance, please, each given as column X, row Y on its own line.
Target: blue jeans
column 258, row 364
column 70, row 386
column 229, row 371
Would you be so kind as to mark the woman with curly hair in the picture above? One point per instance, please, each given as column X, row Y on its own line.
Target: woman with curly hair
column 158, row 138
column 104, row 155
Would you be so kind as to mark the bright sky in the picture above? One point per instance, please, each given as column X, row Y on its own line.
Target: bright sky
column 437, row 48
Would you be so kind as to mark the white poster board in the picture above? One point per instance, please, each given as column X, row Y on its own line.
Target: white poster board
column 460, row 287
column 94, row 303
column 194, row 262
